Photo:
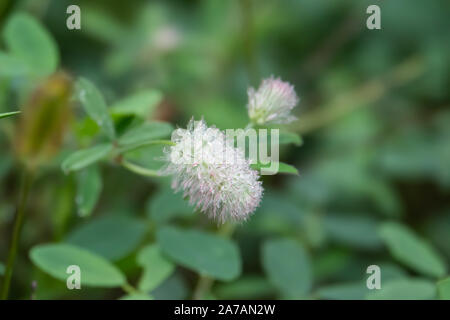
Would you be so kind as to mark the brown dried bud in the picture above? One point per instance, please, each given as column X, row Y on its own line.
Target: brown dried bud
column 44, row 120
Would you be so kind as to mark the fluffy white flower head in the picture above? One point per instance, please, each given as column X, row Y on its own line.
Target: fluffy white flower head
column 272, row 102
column 212, row 173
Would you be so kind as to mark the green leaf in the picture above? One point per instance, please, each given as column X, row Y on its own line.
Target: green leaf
column 343, row 291
column 156, row 268
column 140, row 104
column 137, row 296
column 166, row 205
column 30, row 42
column 11, row 66
column 358, row 290
column 99, row 24
column 174, row 288
column 437, row 231
column 95, row 106
column 274, row 168
column 95, row 270
column 391, row 271
column 284, row 137
column 203, row 252
column 83, row 158
column 354, row 231
column 287, row 266
column 145, row 133
column 2, row 269
column 414, row 252
column 246, row 287
column 8, row 114
column 404, row 289
column 89, row 187
column 112, row 237
column 287, row 168
column 290, row 138
column 443, row 288
column 330, row 262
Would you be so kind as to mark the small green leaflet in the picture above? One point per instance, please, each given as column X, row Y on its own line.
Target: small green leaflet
column 206, row 253
column 290, row 137
column 274, row 168
column 54, row 259
column 29, row 42
column 343, row 291
column 357, row 231
column 156, row 268
column 89, row 187
column 145, row 134
column 404, row 289
column 112, row 237
column 83, row 158
column 444, row 289
column 165, row 205
column 11, row 66
column 94, row 104
column 413, row 251
column 140, row 104
column 246, row 287
column 288, row 267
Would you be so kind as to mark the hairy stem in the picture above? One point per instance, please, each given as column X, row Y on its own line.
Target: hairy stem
column 24, row 191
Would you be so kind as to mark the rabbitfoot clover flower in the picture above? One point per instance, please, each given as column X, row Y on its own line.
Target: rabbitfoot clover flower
column 212, row 173
column 272, row 102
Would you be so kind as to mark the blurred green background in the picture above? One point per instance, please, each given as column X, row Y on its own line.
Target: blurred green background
column 374, row 116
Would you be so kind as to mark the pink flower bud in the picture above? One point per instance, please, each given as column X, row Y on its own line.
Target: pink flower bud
column 272, row 103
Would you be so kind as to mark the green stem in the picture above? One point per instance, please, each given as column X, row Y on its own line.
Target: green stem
column 24, row 191
column 129, row 289
column 8, row 114
column 139, row 170
column 203, row 286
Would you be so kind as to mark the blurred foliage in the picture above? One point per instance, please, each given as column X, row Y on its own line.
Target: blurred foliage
column 374, row 162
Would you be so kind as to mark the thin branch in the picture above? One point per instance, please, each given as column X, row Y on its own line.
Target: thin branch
column 363, row 95
column 139, row 170
column 24, row 191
